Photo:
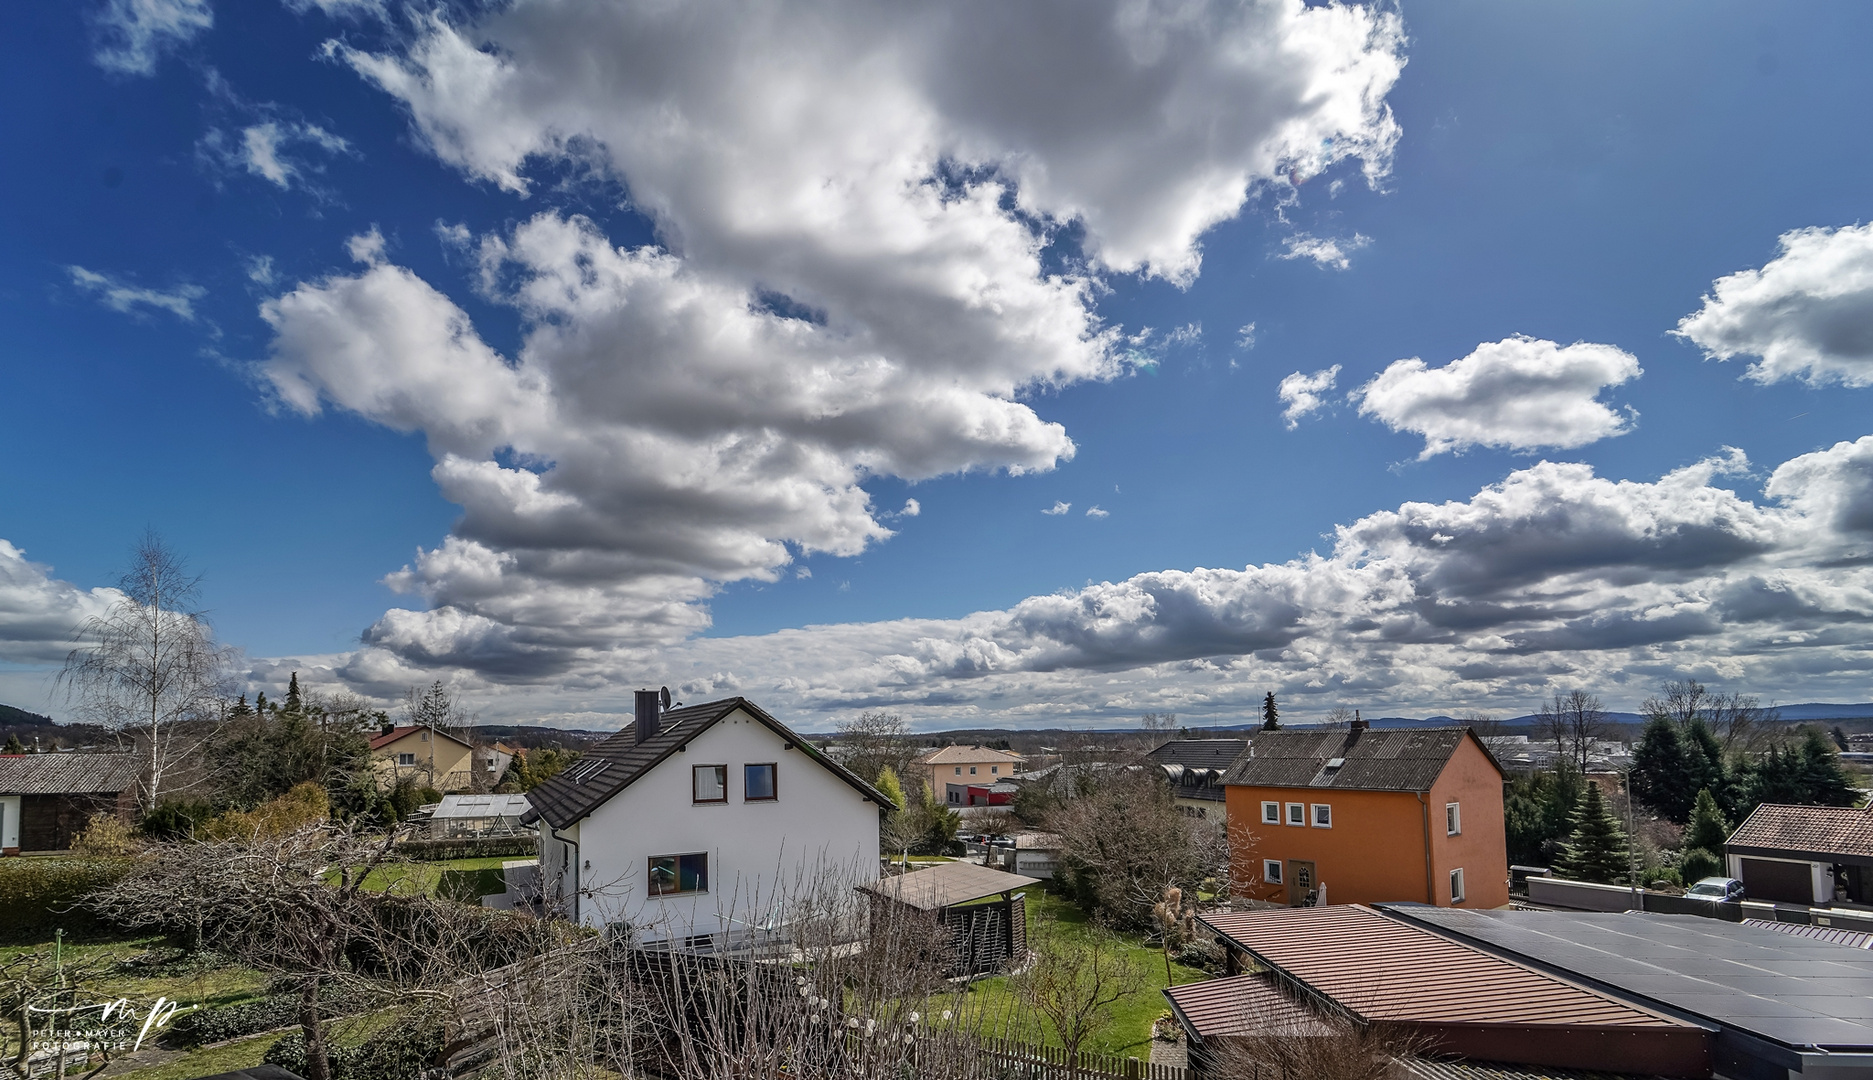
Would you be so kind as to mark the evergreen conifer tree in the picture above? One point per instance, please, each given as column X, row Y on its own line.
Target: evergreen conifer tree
column 1660, row 777
column 891, row 787
column 293, row 703
column 1596, row 850
column 1823, row 781
column 14, row 746
column 1708, row 828
column 1271, row 716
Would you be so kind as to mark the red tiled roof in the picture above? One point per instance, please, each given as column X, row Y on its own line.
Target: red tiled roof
column 1831, row 830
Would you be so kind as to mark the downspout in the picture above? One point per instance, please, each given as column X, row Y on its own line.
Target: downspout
column 574, row 863
column 1424, row 812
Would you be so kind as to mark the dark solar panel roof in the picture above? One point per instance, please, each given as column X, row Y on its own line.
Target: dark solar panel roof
column 1397, row 759
column 619, row 760
column 1797, row 991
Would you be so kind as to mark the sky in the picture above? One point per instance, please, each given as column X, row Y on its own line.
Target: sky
column 1036, row 365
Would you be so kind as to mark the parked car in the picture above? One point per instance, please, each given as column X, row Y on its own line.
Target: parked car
column 1718, row 890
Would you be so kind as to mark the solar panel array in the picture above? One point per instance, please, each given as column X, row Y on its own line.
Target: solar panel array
column 1794, row 990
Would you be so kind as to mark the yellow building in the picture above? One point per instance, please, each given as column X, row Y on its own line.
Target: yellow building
column 434, row 758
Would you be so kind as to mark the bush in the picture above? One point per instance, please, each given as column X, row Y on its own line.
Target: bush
column 39, row 895
column 524, row 846
column 399, row 1053
column 106, row 836
column 306, row 804
column 177, row 819
column 1696, row 864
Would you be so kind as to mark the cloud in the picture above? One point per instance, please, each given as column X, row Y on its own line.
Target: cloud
column 1057, row 509
column 1095, row 512
column 260, row 270
column 134, row 33
column 1807, row 314
column 1147, row 125
column 1520, row 392
column 1325, row 251
column 1245, row 336
column 118, row 296
column 911, row 508
column 1303, row 394
column 860, row 215
column 260, row 150
column 1554, row 576
column 39, row 613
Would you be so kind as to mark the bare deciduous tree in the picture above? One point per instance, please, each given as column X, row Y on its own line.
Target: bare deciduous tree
column 1073, row 980
column 1738, row 720
column 149, row 668
column 1124, row 842
column 1290, row 1040
column 873, row 740
column 1573, row 720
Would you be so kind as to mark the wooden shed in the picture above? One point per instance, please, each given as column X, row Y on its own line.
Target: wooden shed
column 980, row 907
column 47, row 799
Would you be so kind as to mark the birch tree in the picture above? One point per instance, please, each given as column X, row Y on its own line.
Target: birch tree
column 149, row 668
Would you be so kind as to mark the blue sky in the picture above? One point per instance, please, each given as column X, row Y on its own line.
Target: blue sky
column 1578, row 174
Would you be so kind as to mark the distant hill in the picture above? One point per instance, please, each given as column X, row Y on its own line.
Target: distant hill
column 12, row 717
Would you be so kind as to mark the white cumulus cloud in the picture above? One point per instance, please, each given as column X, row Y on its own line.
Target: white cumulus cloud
column 1095, row 512
column 1057, row 509
column 1807, row 314
column 853, row 208
column 134, row 33
column 1302, row 394
column 39, row 614
column 1522, row 393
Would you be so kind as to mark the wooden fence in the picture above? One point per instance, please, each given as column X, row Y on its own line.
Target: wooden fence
column 1034, row 1061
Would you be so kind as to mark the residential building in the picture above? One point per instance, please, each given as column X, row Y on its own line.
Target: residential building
column 963, row 766
column 1361, row 816
column 492, row 762
column 1804, row 854
column 433, row 757
column 47, row 799
column 1195, row 770
column 694, row 823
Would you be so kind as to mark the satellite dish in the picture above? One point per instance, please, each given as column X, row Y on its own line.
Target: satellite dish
column 665, row 694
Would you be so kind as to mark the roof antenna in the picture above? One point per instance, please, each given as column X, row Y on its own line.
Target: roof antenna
column 664, row 694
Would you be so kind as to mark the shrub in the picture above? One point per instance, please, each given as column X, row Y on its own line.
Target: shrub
column 306, row 804
column 106, row 836
column 1696, row 864
column 399, row 1053
column 177, row 819
column 244, row 1018
column 525, row 845
column 39, row 895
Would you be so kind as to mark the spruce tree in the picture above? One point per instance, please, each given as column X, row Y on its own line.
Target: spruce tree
column 1823, row 781
column 1660, row 778
column 1708, row 828
column 293, row 704
column 14, row 746
column 1596, row 850
column 1271, row 716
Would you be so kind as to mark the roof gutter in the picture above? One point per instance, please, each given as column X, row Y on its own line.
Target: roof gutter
column 1424, row 812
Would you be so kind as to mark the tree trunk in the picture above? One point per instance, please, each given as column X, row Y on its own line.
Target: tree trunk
column 318, row 1066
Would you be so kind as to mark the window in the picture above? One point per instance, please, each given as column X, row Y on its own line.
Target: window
column 954, row 797
column 757, row 783
column 959, row 770
column 1271, row 813
column 406, row 759
column 995, row 769
column 1453, row 819
column 1323, row 816
column 972, row 770
column 1271, row 871
column 709, row 783
column 672, row 875
column 1456, row 886
column 1297, row 813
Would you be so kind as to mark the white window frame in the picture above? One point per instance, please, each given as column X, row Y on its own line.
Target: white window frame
column 1271, row 813
column 1316, row 813
column 959, row 770
column 972, row 770
column 402, row 764
column 1271, row 871
column 1297, row 814
column 1456, row 886
column 1453, row 819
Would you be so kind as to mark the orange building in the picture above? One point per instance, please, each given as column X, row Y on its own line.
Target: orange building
column 1363, row 816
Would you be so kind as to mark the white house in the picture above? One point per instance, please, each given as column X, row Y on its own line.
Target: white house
column 692, row 822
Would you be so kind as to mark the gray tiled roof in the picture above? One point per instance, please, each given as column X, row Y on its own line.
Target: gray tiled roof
column 1830, row 830
column 615, row 763
column 1401, row 759
column 1199, row 753
column 68, row 774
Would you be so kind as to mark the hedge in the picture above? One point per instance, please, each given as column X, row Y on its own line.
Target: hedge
column 398, row 1053
column 268, row 1013
column 39, row 895
column 470, row 847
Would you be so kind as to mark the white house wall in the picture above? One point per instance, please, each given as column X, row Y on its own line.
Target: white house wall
column 820, row 831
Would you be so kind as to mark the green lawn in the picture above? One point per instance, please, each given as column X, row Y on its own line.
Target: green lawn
column 1129, row 1033
column 422, row 878
column 188, row 984
column 245, row 1053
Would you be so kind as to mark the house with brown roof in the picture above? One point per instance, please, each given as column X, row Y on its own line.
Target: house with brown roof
column 431, row 756
column 47, row 799
column 1362, row 816
column 952, row 770
column 1804, row 854
column 695, row 825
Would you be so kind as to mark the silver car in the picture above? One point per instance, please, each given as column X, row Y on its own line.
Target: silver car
column 1718, row 890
